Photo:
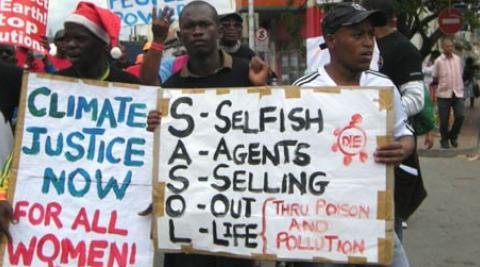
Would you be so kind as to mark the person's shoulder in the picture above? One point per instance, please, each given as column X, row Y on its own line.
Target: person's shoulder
column 439, row 59
column 237, row 76
column 133, row 67
column 307, row 79
column 245, row 52
column 173, row 81
column 240, row 65
column 9, row 69
column 407, row 47
column 400, row 37
column 240, row 62
column 395, row 38
column 69, row 72
column 398, row 42
column 375, row 78
column 249, row 50
column 130, row 78
column 117, row 75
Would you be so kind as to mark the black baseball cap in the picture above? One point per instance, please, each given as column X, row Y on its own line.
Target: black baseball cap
column 347, row 14
column 234, row 15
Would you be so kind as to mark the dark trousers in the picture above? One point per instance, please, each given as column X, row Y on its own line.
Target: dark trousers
column 458, row 106
column 195, row 260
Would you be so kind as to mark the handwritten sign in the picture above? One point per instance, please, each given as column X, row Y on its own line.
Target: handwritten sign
column 276, row 173
column 23, row 22
column 81, row 175
column 133, row 12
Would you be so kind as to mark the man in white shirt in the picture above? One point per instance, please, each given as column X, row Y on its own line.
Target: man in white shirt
column 447, row 74
column 349, row 35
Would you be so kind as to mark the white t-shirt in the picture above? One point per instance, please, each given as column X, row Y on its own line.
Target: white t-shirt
column 368, row 78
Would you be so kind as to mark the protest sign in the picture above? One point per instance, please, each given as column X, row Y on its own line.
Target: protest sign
column 133, row 12
column 23, row 22
column 81, row 174
column 275, row 173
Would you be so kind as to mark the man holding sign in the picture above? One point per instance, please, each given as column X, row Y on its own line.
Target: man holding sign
column 88, row 33
column 349, row 35
column 207, row 66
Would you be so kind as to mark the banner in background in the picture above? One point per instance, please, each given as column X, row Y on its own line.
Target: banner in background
column 136, row 12
column 23, row 22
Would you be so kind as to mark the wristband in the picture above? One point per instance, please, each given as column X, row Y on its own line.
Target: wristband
column 157, row 46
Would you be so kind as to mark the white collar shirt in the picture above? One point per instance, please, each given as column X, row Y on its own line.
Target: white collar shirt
column 449, row 71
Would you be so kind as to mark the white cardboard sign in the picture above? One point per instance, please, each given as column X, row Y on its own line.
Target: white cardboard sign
column 81, row 174
column 275, row 173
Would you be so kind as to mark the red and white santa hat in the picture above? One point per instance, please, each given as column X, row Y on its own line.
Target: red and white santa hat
column 101, row 22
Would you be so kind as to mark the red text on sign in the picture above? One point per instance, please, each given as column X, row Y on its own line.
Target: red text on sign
column 37, row 214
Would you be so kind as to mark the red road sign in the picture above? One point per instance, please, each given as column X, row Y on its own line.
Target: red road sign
column 261, row 34
column 450, row 20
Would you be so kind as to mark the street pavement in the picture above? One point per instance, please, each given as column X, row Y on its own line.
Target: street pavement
column 468, row 141
column 445, row 230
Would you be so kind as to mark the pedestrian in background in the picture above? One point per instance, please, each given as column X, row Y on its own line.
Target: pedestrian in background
column 60, row 60
column 470, row 82
column 230, row 42
column 447, row 75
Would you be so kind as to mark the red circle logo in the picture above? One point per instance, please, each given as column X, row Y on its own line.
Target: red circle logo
column 352, row 141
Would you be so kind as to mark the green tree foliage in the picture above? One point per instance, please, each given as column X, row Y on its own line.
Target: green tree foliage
column 417, row 16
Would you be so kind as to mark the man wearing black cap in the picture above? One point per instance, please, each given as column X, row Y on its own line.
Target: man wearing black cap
column 232, row 33
column 349, row 36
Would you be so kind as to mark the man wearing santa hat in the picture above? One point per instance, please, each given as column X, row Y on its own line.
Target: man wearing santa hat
column 91, row 35
column 90, row 32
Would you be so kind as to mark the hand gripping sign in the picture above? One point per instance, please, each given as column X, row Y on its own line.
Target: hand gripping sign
column 275, row 173
column 23, row 22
